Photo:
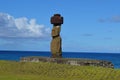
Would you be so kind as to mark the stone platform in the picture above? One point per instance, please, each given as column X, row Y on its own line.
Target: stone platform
column 69, row 61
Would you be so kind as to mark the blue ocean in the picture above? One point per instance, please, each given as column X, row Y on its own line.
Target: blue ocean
column 16, row 55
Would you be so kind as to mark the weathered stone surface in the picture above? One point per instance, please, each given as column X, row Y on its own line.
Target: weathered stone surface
column 56, row 19
column 56, row 43
column 70, row 61
column 56, row 31
column 56, row 46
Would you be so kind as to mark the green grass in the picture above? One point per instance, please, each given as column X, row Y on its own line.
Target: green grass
column 50, row 71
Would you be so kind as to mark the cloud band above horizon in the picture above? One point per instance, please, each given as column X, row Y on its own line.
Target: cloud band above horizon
column 22, row 27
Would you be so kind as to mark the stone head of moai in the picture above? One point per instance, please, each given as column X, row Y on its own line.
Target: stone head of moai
column 56, row 43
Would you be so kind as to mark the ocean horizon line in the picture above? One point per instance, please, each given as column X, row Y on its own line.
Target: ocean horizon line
column 63, row 51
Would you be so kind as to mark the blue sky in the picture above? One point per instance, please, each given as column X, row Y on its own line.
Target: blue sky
column 89, row 25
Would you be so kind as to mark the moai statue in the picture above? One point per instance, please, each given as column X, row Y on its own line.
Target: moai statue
column 56, row 47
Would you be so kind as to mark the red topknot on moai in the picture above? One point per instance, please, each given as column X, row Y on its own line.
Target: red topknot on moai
column 56, row 47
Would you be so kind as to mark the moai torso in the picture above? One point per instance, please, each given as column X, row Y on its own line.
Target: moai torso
column 56, row 42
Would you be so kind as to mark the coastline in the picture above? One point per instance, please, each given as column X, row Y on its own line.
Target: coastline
column 16, row 55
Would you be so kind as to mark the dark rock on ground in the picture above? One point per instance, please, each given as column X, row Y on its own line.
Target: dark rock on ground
column 70, row 61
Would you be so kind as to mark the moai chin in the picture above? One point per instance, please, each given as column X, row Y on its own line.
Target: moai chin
column 56, row 43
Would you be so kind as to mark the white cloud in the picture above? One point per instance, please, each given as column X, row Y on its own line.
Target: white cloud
column 21, row 27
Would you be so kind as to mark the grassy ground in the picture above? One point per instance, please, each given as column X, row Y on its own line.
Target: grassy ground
column 50, row 71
